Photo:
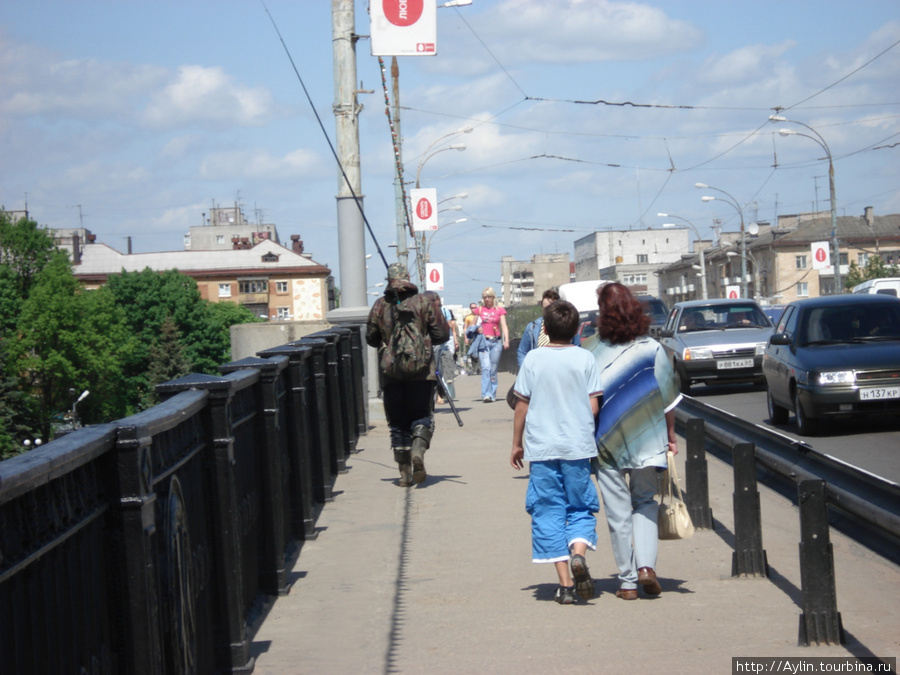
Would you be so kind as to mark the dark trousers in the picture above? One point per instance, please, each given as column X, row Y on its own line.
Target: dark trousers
column 407, row 404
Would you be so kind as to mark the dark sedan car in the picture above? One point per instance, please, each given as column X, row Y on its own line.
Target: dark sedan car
column 834, row 356
column 716, row 341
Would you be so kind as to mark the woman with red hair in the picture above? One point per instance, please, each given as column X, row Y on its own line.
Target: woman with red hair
column 636, row 428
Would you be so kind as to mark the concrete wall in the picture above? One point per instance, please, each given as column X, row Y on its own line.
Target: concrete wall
column 249, row 338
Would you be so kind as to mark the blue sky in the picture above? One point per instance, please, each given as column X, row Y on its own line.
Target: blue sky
column 145, row 112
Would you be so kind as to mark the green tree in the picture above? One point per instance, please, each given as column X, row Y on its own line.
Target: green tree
column 875, row 268
column 14, row 409
column 70, row 338
column 167, row 361
column 25, row 250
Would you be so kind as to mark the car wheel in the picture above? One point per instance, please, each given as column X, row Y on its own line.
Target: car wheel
column 805, row 424
column 777, row 414
column 684, row 383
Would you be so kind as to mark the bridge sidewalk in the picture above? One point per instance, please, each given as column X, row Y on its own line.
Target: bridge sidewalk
column 438, row 578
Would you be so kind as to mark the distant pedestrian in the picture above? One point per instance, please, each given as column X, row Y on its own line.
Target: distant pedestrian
column 534, row 335
column 470, row 331
column 404, row 326
column 558, row 388
column 494, row 339
column 635, row 429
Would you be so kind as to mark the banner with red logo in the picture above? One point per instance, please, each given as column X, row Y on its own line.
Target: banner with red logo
column 821, row 255
column 434, row 276
column 403, row 27
column 424, row 208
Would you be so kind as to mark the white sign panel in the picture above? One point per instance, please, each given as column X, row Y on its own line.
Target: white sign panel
column 821, row 255
column 732, row 292
column 403, row 27
column 434, row 276
column 424, row 208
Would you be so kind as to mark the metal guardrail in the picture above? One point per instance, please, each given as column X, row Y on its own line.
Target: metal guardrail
column 867, row 499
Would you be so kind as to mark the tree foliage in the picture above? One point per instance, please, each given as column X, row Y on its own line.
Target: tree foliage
column 875, row 268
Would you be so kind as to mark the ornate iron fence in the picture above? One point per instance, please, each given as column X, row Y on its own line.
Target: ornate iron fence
column 153, row 544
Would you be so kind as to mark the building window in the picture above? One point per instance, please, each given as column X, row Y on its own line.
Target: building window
column 283, row 312
column 643, row 258
column 270, row 257
column 254, row 286
column 862, row 259
column 802, row 289
column 224, row 290
column 801, row 262
column 220, row 238
column 844, row 259
column 281, row 286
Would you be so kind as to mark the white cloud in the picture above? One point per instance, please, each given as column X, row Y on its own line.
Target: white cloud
column 207, row 95
column 570, row 31
column 751, row 62
column 259, row 164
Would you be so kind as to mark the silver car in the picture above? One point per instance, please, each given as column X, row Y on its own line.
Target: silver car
column 716, row 341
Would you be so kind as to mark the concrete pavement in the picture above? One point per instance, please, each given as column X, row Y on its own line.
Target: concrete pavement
column 438, row 578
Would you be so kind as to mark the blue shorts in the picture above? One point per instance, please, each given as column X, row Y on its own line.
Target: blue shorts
column 562, row 500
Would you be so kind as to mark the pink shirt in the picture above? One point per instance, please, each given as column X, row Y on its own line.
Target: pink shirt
column 490, row 321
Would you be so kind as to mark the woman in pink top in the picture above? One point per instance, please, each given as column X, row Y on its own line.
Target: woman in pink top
column 494, row 339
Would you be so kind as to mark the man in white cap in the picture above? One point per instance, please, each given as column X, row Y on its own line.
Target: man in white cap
column 404, row 327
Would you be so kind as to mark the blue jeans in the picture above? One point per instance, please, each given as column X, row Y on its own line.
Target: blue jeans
column 631, row 514
column 489, row 359
column 562, row 501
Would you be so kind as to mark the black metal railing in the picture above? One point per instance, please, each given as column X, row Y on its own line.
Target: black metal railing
column 153, row 544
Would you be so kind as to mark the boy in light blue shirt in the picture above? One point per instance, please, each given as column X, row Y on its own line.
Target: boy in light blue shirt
column 558, row 390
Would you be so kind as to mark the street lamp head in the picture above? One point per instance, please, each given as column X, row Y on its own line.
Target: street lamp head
column 457, row 146
column 777, row 118
column 701, row 185
column 707, row 198
column 467, row 130
column 788, row 132
column 669, row 224
column 663, row 215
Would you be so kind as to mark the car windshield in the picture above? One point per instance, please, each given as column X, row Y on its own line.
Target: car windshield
column 656, row 310
column 720, row 317
column 856, row 322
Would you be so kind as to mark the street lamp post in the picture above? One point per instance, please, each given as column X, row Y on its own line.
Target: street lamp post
column 420, row 236
column 733, row 202
column 756, row 270
column 431, row 238
column 836, row 254
column 699, row 245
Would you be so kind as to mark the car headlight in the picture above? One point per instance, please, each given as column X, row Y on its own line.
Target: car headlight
column 760, row 349
column 697, row 353
column 836, row 377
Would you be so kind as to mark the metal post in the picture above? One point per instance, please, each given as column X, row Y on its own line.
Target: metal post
column 697, row 476
column 749, row 558
column 351, row 233
column 401, row 213
column 820, row 621
column 838, row 288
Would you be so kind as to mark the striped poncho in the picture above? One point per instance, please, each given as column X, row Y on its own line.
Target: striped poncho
column 638, row 389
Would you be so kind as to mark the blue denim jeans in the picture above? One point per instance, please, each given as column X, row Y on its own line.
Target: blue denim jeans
column 489, row 359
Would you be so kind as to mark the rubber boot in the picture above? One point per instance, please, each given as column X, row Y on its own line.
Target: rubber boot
column 421, row 440
column 402, row 457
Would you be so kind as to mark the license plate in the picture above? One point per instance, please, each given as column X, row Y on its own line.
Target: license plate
column 879, row 393
column 734, row 363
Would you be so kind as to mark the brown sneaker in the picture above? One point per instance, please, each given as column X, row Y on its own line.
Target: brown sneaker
column 584, row 585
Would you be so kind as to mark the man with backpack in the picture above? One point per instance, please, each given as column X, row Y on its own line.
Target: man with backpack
column 404, row 327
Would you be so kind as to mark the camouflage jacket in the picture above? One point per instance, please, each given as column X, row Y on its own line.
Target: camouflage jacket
column 406, row 294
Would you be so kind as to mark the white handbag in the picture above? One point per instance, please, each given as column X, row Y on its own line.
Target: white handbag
column 674, row 521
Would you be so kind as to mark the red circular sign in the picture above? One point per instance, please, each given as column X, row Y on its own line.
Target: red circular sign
column 424, row 209
column 820, row 254
column 403, row 12
column 434, row 276
column 732, row 295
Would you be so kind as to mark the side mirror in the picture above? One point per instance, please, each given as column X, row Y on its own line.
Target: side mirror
column 666, row 333
column 780, row 339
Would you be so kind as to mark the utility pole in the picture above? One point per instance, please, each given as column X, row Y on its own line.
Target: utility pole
column 402, row 251
column 351, row 233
